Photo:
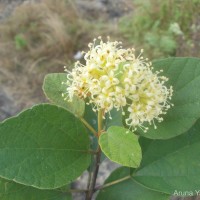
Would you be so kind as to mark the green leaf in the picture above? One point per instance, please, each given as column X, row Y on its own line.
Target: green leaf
column 13, row 191
column 184, row 76
column 128, row 189
column 45, row 147
column 171, row 165
column 53, row 89
column 121, row 146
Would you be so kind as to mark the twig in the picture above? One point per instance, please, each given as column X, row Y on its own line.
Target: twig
column 90, row 173
column 89, row 126
column 111, row 183
column 98, row 158
column 96, row 170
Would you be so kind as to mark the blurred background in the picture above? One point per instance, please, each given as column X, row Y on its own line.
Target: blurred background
column 41, row 36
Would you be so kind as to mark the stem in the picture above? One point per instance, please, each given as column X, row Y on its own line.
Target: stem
column 89, row 126
column 94, row 178
column 112, row 183
column 90, row 173
column 100, row 122
column 98, row 158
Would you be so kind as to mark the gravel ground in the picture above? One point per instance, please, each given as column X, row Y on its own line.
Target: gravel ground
column 7, row 6
column 90, row 9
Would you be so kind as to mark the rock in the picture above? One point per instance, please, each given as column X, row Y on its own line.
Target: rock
column 103, row 9
column 8, row 6
column 7, row 105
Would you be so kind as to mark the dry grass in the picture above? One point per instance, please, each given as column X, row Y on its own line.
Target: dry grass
column 45, row 35
column 38, row 38
column 39, row 32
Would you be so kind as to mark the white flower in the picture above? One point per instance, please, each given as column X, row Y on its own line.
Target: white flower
column 114, row 78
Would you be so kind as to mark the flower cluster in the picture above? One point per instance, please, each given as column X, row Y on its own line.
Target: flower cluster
column 114, row 78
